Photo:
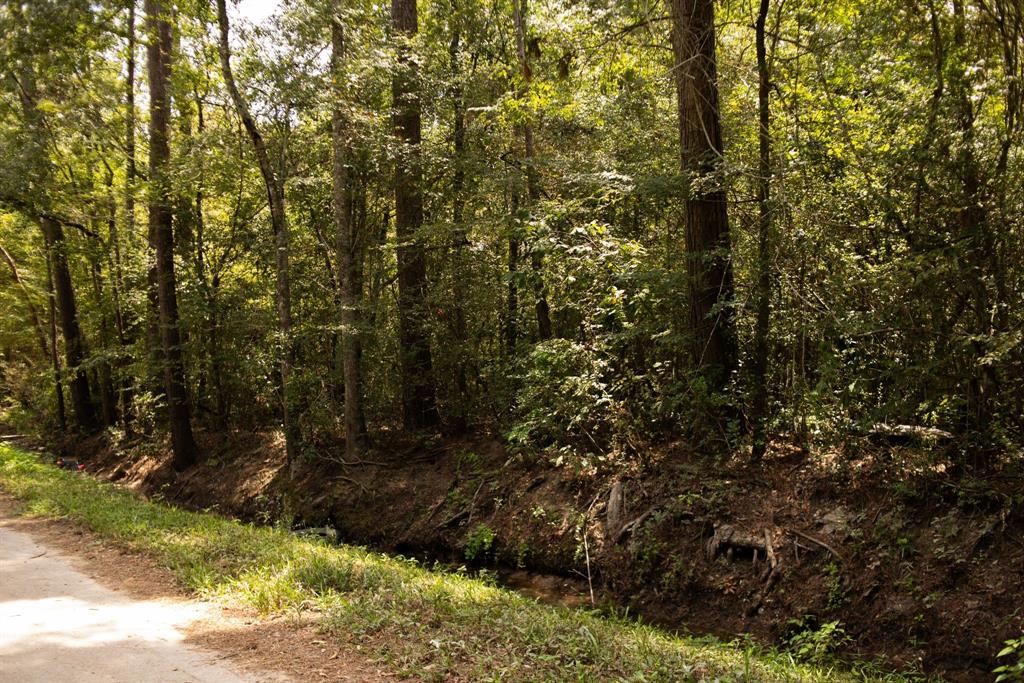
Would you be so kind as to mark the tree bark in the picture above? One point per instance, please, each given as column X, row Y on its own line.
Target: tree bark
column 60, row 275
column 541, row 307
column 126, row 388
column 346, row 243
column 278, row 219
column 512, row 298
column 759, row 371
column 58, row 388
column 74, row 344
column 459, row 414
column 104, row 375
column 706, row 216
column 419, row 406
column 158, row 52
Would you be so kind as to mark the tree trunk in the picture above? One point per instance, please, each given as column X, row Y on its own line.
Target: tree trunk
column 158, row 52
column 975, row 229
column 105, row 379
column 512, row 298
column 541, row 307
column 74, row 345
column 126, row 387
column 278, row 220
column 419, row 405
column 57, row 263
column 459, row 415
column 346, row 243
column 58, row 388
column 759, row 371
column 707, row 220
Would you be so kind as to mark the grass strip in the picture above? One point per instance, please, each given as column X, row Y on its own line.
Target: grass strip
column 430, row 625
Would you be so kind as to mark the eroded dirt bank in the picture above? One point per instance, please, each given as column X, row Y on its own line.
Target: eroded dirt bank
column 920, row 566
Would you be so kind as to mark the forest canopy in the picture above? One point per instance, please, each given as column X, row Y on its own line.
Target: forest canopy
column 588, row 227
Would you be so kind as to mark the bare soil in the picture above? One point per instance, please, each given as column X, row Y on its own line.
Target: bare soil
column 922, row 565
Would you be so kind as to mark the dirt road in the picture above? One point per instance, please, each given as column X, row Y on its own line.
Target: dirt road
column 57, row 625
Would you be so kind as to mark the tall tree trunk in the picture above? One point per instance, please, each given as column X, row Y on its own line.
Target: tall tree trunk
column 58, row 388
column 105, row 379
column 976, row 230
column 459, row 413
column 512, row 297
column 419, row 406
column 216, row 355
column 707, row 220
column 126, row 387
column 278, row 219
column 158, row 52
column 759, row 371
column 74, row 344
column 60, row 275
column 346, row 242
column 541, row 307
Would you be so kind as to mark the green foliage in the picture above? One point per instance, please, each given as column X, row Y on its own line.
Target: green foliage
column 479, row 543
column 1013, row 670
column 895, row 252
column 565, row 404
column 816, row 645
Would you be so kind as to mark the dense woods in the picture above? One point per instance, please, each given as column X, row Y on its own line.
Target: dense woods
column 721, row 245
column 589, row 227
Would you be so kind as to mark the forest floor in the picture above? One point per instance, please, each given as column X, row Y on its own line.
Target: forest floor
column 77, row 608
column 418, row 623
column 874, row 551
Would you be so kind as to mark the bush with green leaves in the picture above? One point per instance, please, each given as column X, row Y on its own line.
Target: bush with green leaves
column 565, row 404
column 479, row 543
column 816, row 645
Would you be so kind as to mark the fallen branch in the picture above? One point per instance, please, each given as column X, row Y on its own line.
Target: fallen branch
column 818, row 541
column 773, row 578
column 630, row 527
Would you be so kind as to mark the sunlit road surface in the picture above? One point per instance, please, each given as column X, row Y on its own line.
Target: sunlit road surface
column 58, row 625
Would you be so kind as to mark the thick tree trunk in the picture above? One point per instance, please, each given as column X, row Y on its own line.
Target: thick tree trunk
column 74, row 344
column 346, row 244
column 419, row 405
column 541, row 307
column 707, row 220
column 278, row 220
column 158, row 53
column 759, row 371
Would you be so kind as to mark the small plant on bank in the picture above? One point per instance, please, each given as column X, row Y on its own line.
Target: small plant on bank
column 816, row 645
column 1013, row 670
column 479, row 543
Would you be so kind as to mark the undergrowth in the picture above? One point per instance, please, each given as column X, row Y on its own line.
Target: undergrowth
column 419, row 623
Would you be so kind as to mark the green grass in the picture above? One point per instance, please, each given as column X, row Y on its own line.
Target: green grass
column 425, row 624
